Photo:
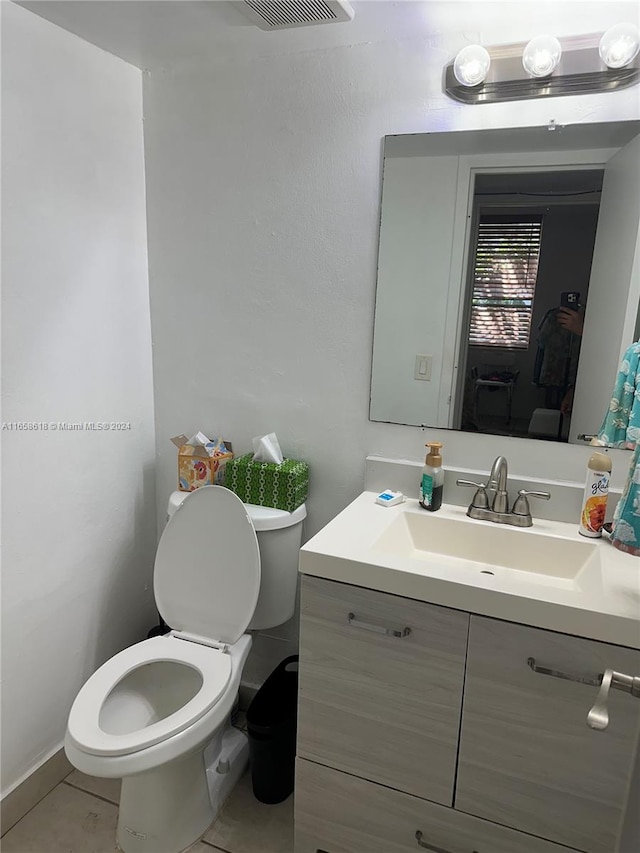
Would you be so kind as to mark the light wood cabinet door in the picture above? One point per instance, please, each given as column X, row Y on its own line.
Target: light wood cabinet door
column 527, row 757
column 338, row 813
column 382, row 706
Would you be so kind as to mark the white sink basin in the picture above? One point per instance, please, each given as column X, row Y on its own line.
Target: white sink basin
column 488, row 546
column 547, row 575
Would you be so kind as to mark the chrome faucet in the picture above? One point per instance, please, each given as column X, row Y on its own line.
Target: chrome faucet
column 520, row 515
column 498, row 482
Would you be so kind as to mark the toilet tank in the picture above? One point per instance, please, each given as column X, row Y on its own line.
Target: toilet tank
column 279, row 538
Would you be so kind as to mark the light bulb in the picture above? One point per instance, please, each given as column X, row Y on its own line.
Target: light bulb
column 541, row 56
column 619, row 45
column 471, row 65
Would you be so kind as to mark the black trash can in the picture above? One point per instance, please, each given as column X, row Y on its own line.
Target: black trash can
column 271, row 726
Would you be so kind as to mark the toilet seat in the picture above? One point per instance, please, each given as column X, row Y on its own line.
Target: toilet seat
column 206, row 587
column 84, row 729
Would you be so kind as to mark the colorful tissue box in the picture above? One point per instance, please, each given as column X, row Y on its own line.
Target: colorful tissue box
column 202, row 466
column 283, row 486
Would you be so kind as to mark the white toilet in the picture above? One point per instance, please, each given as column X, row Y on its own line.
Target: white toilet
column 157, row 714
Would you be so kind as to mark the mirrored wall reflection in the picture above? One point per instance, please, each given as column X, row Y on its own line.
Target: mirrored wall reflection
column 528, row 282
column 506, row 290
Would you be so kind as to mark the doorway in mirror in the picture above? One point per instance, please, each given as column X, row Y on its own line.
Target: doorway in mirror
column 531, row 246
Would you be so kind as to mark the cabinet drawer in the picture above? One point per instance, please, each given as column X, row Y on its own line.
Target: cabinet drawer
column 527, row 757
column 338, row 813
column 377, row 705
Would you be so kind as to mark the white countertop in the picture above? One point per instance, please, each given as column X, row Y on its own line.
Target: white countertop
column 601, row 603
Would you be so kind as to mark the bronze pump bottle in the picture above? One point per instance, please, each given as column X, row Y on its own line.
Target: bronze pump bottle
column 432, row 483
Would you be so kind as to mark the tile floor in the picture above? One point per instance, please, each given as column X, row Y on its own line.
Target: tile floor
column 79, row 816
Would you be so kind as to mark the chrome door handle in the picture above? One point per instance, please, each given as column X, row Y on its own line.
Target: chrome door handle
column 377, row 629
column 598, row 716
column 426, row 846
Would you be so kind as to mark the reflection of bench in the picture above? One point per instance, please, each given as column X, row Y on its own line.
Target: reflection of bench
column 545, row 422
column 496, row 378
column 548, row 423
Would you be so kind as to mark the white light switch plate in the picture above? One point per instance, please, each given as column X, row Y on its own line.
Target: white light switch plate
column 423, row 368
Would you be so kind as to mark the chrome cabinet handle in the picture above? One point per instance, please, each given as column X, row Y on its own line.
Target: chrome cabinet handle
column 426, row 846
column 377, row 629
column 592, row 681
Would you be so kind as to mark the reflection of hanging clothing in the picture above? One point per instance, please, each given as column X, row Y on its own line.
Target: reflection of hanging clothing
column 621, row 426
column 556, row 363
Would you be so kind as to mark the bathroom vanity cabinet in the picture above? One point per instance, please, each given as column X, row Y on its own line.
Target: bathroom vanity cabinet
column 426, row 727
column 385, row 707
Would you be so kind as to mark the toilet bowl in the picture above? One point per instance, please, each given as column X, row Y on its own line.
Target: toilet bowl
column 157, row 714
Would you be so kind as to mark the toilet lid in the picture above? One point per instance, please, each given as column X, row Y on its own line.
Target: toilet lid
column 207, row 572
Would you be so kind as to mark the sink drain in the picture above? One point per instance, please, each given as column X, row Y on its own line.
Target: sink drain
column 486, row 572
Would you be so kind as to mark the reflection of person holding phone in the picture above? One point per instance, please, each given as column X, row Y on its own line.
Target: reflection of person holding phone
column 559, row 339
column 571, row 317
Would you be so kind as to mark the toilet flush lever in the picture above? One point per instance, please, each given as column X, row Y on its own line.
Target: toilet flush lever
column 598, row 716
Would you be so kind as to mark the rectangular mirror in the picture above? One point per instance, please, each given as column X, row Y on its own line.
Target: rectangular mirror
column 508, row 283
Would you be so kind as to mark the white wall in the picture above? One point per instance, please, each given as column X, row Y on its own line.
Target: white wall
column 616, row 262
column 79, row 524
column 264, row 181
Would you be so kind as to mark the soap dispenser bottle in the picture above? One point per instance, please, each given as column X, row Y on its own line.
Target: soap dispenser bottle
column 432, row 484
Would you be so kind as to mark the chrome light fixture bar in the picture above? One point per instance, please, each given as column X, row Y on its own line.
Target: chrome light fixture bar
column 580, row 70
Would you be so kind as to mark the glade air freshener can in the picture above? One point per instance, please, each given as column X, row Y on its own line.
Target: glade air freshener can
column 594, row 502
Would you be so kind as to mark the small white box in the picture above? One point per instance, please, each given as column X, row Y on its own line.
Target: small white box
column 389, row 498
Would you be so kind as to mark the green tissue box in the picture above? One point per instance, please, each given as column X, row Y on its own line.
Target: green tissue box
column 283, row 486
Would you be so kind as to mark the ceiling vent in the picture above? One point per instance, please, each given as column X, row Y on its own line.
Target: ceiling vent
column 284, row 14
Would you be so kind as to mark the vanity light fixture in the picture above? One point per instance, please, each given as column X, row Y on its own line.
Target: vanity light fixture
column 544, row 67
column 471, row 65
column 619, row 45
column 541, row 56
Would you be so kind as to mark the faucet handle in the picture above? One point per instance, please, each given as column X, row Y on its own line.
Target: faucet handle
column 544, row 495
column 521, row 504
column 480, row 499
